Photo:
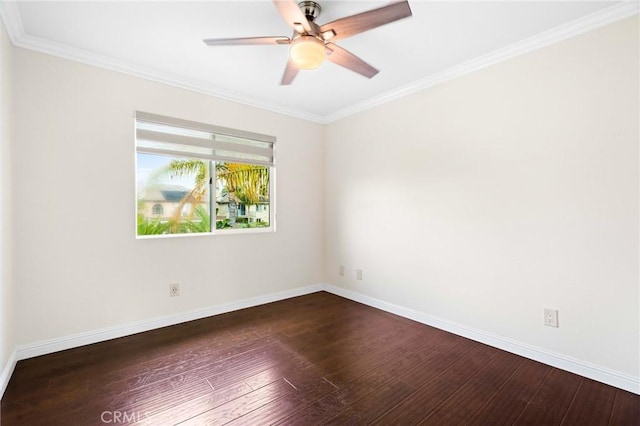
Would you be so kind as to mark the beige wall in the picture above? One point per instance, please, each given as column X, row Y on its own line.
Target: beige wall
column 485, row 199
column 80, row 267
column 479, row 201
column 7, row 323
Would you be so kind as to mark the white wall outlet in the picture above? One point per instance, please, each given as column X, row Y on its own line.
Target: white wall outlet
column 341, row 270
column 551, row 317
column 174, row 289
column 359, row 274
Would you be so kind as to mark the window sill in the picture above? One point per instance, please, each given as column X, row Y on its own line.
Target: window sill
column 216, row 233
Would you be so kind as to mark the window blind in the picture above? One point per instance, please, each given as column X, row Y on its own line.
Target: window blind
column 156, row 134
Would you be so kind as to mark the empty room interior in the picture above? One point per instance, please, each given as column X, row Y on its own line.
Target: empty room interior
column 331, row 212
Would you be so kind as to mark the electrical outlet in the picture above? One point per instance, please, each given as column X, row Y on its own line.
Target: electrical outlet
column 174, row 289
column 342, row 270
column 551, row 318
column 359, row 274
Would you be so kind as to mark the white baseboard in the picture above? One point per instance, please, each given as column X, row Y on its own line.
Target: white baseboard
column 563, row 362
column 75, row 340
column 601, row 374
column 7, row 371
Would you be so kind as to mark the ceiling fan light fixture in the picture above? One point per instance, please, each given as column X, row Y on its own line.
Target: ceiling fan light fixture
column 307, row 52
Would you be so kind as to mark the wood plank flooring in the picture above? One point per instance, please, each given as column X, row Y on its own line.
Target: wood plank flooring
column 316, row 359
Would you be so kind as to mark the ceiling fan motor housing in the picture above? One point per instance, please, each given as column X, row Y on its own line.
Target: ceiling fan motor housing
column 310, row 9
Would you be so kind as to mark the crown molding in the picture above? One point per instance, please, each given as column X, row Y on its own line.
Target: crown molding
column 11, row 17
column 579, row 26
column 124, row 67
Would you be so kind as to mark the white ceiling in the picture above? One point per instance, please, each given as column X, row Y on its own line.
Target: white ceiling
column 163, row 40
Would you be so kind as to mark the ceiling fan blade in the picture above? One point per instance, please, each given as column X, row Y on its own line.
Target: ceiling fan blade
column 290, row 73
column 350, row 61
column 355, row 24
column 292, row 14
column 245, row 40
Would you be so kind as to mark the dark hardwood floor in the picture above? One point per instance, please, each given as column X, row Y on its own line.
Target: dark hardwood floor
column 316, row 359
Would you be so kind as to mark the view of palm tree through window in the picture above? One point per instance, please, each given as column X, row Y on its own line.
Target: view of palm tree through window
column 178, row 195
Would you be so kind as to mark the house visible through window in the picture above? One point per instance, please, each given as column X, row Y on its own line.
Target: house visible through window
column 199, row 178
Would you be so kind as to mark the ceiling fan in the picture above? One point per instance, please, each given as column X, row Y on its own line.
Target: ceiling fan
column 311, row 43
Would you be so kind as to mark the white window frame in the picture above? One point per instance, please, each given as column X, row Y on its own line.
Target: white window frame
column 216, row 130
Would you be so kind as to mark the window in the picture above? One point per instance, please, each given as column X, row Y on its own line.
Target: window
column 195, row 178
